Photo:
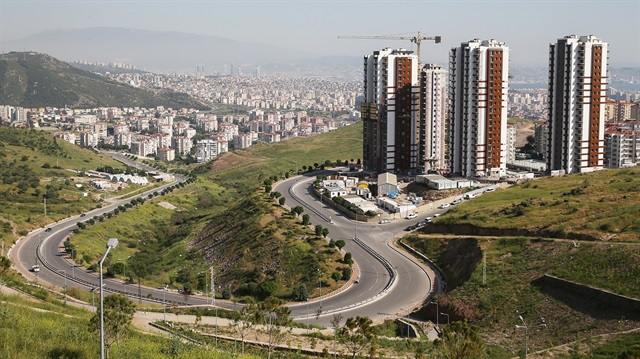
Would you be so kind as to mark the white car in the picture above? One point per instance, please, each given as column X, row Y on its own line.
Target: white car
column 444, row 205
column 436, row 215
column 412, row 216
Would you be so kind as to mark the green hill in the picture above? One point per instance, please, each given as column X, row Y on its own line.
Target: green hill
column 225, row 219
column 30, row 79
column 34, row 164
column 601, row 205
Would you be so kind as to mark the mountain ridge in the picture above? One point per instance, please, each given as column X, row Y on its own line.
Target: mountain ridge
column 31, row 79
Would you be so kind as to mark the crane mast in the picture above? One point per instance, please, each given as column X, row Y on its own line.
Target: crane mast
column 416, row 39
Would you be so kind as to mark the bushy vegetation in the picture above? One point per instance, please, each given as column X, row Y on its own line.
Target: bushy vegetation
column 266, row 249
column 33, row 166
column 512, row 265
column 56, row 331
column 604, row 205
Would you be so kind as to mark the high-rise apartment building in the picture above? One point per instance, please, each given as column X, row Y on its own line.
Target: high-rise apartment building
column 433, row 113
column 390, row 112
column 477, row 130
column 577, row 94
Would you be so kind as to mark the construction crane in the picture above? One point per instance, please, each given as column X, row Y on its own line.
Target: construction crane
column 417, row 39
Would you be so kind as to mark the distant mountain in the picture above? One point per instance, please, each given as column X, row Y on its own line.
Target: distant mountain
column 154, row 51
column 31, row 79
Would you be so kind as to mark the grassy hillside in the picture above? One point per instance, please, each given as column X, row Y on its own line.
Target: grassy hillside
column 34, row 164
column 30, row 79
column 225, row 219
column 513, row 264
column 603, row 204
column 38, row 329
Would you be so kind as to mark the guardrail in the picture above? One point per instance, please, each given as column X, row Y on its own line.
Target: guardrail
column 304, row 204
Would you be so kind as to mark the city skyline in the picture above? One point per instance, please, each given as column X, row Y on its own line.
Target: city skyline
column 311, row 27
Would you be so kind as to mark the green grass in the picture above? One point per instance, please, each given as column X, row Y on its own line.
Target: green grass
column 604, row 205
column 33, row 163
column 57, row 331
column 512, row 264
column 255, row 239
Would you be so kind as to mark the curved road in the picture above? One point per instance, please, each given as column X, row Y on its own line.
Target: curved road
column 413, row 282
column 390, row 283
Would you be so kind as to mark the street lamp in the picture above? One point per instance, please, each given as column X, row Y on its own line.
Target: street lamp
column 526, row 333
column 447, row 315
column 111, row 243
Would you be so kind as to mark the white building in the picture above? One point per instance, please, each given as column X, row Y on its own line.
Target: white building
column 242, row 141
column 85, row 119
column 478, row 86
column 166, row 154
column 208, row 149
column 622, row 148
column 511, row 144
column 577, row 93
column 390, row 112
column 433, row 118
column 88, row 139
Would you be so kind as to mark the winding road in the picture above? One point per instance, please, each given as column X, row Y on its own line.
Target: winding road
column 391, row 283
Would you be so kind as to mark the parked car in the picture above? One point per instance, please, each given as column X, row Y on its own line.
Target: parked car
column 444, row 205
column 436, row 215
column 412, row 216
column 384, row 221
column 490, row 189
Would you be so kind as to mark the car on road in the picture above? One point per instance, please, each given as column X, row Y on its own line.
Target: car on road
column 412, row 216
column 384, row 221
column 48, row 230
column 444, row 205
column 35, row 268
column 83, row 214
column 490, row 189
column 457, row 201
column 410, row 228
column 469, row 195
column 436, row 215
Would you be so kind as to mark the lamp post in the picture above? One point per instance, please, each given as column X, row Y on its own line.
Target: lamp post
column 447, row 315
column 526, row 333
column 73, row 264
column 111, row 243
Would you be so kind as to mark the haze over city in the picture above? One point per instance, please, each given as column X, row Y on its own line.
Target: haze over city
column 309, row 29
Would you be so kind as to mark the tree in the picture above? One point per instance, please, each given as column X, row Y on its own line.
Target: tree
column 298, row 210
column 118, row 312
column 460, row 340
column 347, row 258
column 325, row 232
column 357, row 334
column 281, row 201
column 318, row 230
column 306, row 219
column 300, row 293
column 244, row 320
column 340, row 244
column 5, row 263
column 277, row 321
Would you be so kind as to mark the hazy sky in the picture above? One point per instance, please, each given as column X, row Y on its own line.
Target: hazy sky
column 527, row 27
